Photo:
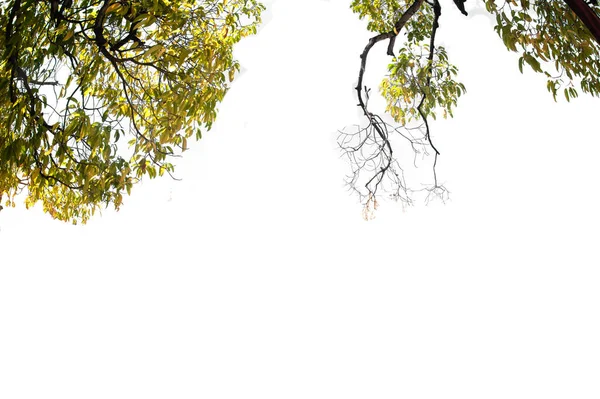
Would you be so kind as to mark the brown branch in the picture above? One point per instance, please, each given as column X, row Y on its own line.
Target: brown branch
column 383, row 36
column 585, row 13
column 99, row 25
column 370, row 149
column 375, row 122
column 437, row 13
column 408, row 14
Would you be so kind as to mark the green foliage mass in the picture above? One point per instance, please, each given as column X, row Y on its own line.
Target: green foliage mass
column 78, row 77
column 551, row 40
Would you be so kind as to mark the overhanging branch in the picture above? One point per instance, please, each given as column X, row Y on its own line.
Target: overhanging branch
column 587, row 16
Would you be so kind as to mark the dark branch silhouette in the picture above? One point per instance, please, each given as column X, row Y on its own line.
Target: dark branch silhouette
column 370, row 149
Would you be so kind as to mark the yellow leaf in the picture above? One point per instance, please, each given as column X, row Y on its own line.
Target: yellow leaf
column 154, row 49
column 113, row 7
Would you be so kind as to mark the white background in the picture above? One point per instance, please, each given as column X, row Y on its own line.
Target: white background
column 257, row 277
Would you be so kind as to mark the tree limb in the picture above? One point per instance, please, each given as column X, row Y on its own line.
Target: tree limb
column 586, row 15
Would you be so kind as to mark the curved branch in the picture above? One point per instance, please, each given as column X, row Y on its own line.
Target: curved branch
column 406, row 16
column 437, row 13
column 383, row 36
column 369, row 149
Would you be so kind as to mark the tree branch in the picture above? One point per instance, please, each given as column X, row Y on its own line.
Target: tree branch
column 382, row 161
column 437, row 13
column 586, row 15
column 383, row 36
column 408, row 14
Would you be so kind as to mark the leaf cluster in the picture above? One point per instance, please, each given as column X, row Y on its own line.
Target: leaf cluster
column 77, row 77
column 416, row 77
column 553, row 41
column 380, row 14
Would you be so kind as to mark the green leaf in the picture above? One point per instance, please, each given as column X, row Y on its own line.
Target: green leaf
column 161, row 69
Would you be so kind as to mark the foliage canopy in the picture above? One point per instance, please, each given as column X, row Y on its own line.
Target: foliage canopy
column 422, row 83
column 78, row 76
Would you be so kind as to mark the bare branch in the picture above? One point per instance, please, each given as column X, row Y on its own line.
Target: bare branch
column 370, row 151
